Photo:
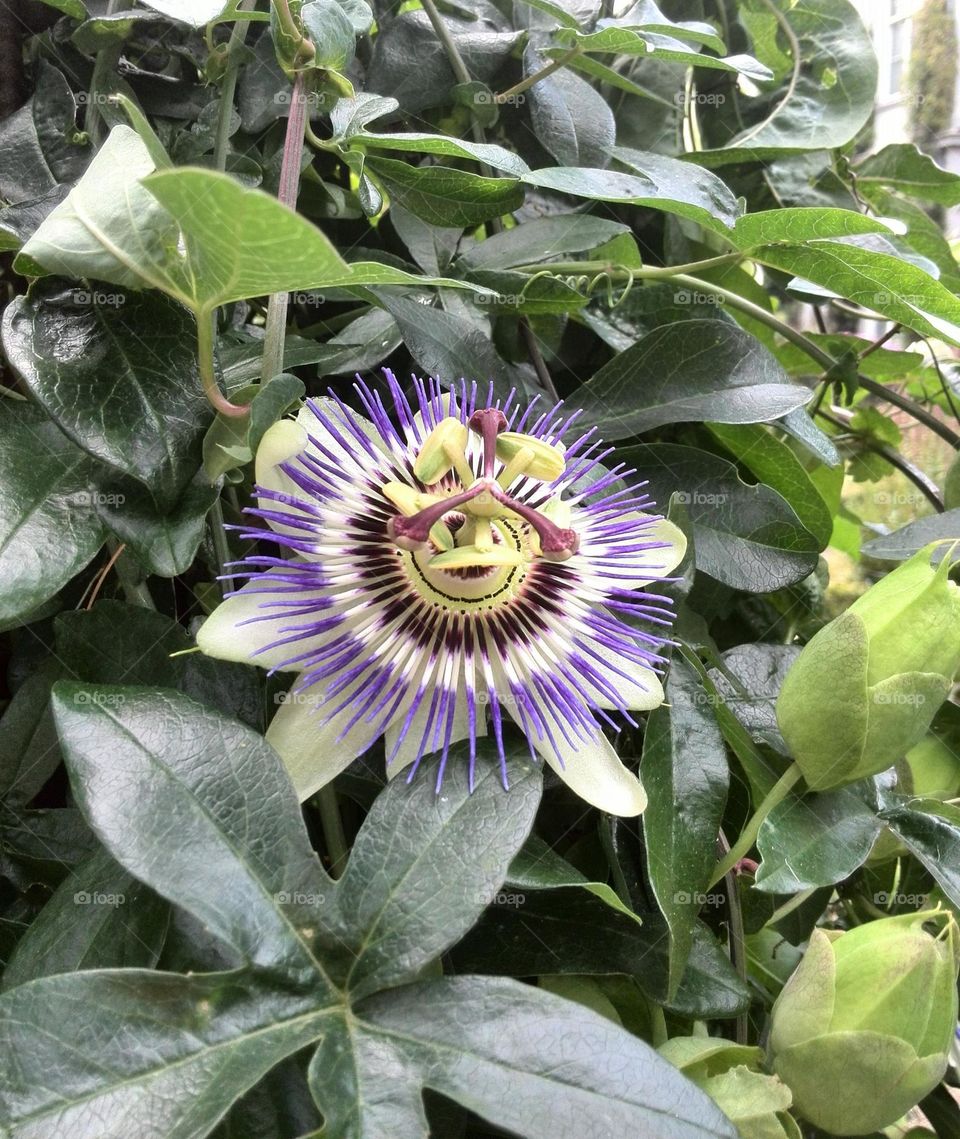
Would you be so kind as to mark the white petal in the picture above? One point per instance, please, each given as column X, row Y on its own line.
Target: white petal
column 639, row 568
column 409, row 749
column 225, row 634
column 355, row 459
column 594, row 772
column 310, row 750
column 281, row 442
column 640, row 689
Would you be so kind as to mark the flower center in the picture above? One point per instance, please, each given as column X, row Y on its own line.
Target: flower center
column 474, row 531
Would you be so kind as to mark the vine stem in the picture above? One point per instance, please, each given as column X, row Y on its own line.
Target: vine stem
column 737, row 939
column 238, row 34
column 531, row 80
column 208, row 376
column 815, row 352
column 332, row 826
column 289, row 188
column 103, row 67
column 748, row 835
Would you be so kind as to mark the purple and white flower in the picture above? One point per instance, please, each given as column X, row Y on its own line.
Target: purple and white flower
column 449, row 566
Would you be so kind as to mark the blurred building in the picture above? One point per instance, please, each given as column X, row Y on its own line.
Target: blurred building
column 891, row 24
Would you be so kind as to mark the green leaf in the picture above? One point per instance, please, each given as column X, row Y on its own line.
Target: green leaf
column 450, row 347
column 665, row 188
column 690, row 370
column 684, row 769
column 906, row 541
column 901, row 166
column 29, row 752
column 49, row 529
column 794, row 225
column 419, row 142
column 537, row 866
column 40, row 142
column 570, row 119
column 117, row 372
column 540, row 239
column 521, row 1058
column 425, row 865
column 707, row 199
column 776, row 466
column 829, row 95
column 568, row 930
column 140, row 758
column 99, row 917
column 815, row 840
column 109, row 227
column 165, row 543
column 931, row 830
column 879, row 281
column 18, row 222
column 209, row 1039
column 444, row 196
column 747, row 537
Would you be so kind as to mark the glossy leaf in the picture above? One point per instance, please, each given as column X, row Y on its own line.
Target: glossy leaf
column 546, row 1070
column 931, row 831
column 49, row 529
column 684, row 770
column 444, row 196
column 425, row 865
column 906, row 541
column 117, row 372
column 747, row 537
column 691, row 370
column 815, row 840
column 141, row 758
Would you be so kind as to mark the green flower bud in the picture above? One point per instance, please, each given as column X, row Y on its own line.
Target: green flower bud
column 866, row 687
column 862, row 1030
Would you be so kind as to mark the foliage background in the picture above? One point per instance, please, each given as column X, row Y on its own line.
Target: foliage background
column 641, row 215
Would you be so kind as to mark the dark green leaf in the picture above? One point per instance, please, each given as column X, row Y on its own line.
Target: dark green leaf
column 776, row 465
column 449, row 346
column 40, row 142
column 901, row 166
column 905, row 542
column 99, row 917
column 931, row 830
column 142, row 758
column 684, row 770
column 748, row 537
column 444, row 196
column 29, row 750
column 666, row 188
column 530, row 1062
column 165, row 544
column 49, row 529
column 815, row 840
column 206, row 1040
column 570, row 119
column 540, row 239
column 830, row 91
column 709, row 200
column 691, row 370
column 425, row 865
column 117, row 372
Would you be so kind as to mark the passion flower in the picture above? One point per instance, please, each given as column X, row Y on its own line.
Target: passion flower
column 447, row 564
